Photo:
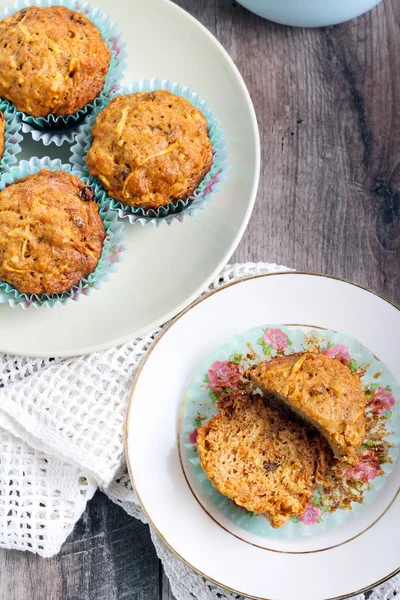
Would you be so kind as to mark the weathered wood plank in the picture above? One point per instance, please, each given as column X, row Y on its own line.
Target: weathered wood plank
column 109, row 556
column 326, row 103
column 166, row 592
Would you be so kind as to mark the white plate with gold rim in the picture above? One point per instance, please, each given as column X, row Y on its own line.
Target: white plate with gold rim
column 338, row 563
column 164, row 269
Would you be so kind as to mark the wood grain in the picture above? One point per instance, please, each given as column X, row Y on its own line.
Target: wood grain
column 328, row 103
column 109, row 556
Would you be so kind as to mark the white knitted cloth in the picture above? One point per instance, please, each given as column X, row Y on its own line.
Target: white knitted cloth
column 62, row 436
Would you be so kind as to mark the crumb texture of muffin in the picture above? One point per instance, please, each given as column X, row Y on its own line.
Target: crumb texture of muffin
column 51, row 233
column 322, row 391
column 260, row 459
column 2, row 134
column 150, row 148
column 52, row 61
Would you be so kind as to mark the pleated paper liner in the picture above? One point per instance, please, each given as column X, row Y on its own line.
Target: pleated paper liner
column 12, row 137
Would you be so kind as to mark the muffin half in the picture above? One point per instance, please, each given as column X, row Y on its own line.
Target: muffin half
column 53, row 61
column 261, row 459
column 150, row 148
column 51, row 234
column 322, row 391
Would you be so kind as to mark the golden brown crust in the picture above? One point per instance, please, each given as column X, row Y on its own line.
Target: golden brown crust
column 261, row 459
column 150, row 148
column 321, row 390
column 52, row 61
column 51, row 234
column 2, row 134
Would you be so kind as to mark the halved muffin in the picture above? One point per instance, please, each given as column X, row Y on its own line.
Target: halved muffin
column 260, row 458
column 323, row 392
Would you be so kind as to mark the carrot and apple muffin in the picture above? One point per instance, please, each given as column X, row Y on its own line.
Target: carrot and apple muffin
column 51, row 233
column 322, row 391
column 260, row 458
column 53, row 60
column 2, row 134
column 150, row 148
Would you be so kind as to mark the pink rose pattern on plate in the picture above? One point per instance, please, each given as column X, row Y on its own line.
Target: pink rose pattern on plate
column 367, row 467
column 311, row 516
column 272, row 339
column 313, row 513
column 337, row 351
column 226, row 375
column 193, row 436
column 276, row 338
column 382, row 401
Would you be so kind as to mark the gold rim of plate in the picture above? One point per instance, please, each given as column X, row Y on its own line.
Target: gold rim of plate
column 139, row 371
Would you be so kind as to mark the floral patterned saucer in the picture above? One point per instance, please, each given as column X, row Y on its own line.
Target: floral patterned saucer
column 352, row 488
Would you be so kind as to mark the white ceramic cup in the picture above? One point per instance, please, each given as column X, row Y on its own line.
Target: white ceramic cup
column 309, row 13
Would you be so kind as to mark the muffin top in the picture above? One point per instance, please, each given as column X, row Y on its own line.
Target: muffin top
column 2, row 134
column 53, row 60
column 323, row 392
column 51, row 234
column 150, row 148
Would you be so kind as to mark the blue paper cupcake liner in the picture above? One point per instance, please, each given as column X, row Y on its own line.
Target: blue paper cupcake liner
column 57, row 137
column 113, row 247
column 12, row 137
column 58, row 129
column 174, row 211
column 222, row 371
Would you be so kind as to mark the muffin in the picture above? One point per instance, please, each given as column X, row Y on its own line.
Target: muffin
column 51, row 234
column 323, row 392
column 2, row 134
column 260, row 459
column 150, row 148
column 53, row 61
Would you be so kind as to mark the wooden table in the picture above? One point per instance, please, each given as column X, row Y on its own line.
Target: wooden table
column 328, row 107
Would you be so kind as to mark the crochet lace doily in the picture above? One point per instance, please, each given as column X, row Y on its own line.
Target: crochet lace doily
column 62, row 436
